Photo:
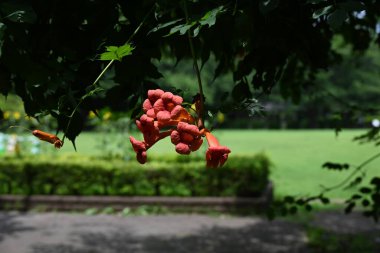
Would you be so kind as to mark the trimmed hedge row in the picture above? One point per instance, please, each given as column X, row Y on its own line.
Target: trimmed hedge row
column 169, row 176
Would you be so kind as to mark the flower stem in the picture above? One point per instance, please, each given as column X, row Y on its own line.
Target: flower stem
column 161, row 136
column 211, row 139
column 197, row 71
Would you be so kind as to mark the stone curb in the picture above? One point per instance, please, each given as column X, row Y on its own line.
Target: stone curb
column 68, row 203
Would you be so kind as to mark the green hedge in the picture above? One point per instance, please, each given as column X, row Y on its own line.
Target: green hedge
column 162, row 176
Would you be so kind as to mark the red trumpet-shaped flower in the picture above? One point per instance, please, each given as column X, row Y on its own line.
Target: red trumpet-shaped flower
column 187, row 138
column 216, row 155
column 149, row 129
column 140, row 148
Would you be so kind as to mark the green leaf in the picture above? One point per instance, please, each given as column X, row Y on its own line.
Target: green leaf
column 183, row 28
column 365, row 190
column 336, row 166
column 325, row 200
column 375, row 181
column 196, row 31
column 75, row 127
column 354, row 197
column 336, row 19
column 125, row 50
column 323, row 11
column 365, row 202
column 161, row 26
column 20, row 12
column 111, row 48
column 210, row 17
column 107, row 56
column 308, row 207
column 289, row 199
column 174, row 29
column 116, row 53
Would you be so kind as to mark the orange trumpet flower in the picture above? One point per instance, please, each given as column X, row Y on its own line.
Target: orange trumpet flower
column 216, row 155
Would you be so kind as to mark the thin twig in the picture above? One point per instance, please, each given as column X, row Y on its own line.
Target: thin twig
column 357, row 169
column 197, row 71
column 102, row 73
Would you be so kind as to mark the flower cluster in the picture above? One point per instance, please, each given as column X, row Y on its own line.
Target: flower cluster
column 186, row 138
column 163, row 110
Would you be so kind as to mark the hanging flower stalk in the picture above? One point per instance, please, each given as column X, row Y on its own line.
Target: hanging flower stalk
column 165, row 116
column 164, row 110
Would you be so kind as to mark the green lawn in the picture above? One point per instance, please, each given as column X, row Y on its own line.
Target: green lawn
column 297, row 155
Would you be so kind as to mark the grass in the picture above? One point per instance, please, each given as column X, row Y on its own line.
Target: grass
column 297, row 155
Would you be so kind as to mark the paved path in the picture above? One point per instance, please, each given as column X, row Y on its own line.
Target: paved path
column 74, row 233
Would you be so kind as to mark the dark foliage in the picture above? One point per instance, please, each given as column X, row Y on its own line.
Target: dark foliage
column 49, row 49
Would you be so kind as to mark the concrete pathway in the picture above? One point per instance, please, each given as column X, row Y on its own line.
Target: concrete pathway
column 75, row 233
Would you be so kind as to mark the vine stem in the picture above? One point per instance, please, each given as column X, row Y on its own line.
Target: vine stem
column 339, row 185
column 93, row 85
column 357, row 169
column 197, row 71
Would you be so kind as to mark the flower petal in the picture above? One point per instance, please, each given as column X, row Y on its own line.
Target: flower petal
column 186, row 137
column 182, row 149
column 140, row 148
column 217, row 156
column 151, row 113
column 175, row 137
column 191, row 129
column 147, row 105
column 137, row 145
column 167, row 96
column 177, row 99
column 163, row 116
column 153, row 95
column 159, row 105
column 141, row 157
column 196, row 144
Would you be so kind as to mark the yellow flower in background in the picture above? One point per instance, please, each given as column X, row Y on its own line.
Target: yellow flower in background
column 91, row 115
column 107, row 115
column 16, row 115
column 220, row 117
column 6, row 115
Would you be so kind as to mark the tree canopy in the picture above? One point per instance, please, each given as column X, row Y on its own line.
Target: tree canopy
column 52, row 51
column 65, row 58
